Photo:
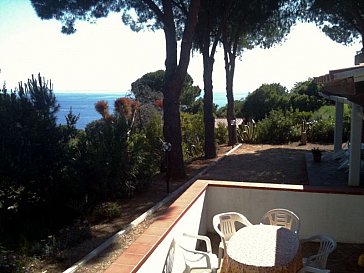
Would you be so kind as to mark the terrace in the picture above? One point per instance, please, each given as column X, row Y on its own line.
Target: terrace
column 334, row 210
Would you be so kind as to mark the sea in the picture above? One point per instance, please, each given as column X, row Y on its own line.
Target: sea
column 83, row 103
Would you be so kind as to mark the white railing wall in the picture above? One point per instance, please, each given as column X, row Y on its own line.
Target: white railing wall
column 336, row 214
column 189, row 223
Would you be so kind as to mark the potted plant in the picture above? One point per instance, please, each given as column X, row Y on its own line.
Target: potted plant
column 317, row 153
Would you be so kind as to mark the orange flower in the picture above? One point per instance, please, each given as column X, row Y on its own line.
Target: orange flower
column 102, row 108
column 122, row 106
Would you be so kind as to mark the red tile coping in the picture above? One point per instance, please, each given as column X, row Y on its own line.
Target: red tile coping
column 137, row 253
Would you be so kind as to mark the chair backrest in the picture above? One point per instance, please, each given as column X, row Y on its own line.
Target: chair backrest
column 282, row 217
column 224, row 223
column 168, row 263
column 327, row 246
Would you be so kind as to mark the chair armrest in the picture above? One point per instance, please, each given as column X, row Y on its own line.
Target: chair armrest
column 311, row 269
column 216, row 223
column 312, row 258
column 203, row 254
column 202, row 238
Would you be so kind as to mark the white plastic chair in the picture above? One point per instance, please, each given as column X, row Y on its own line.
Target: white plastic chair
column 327, row 246
column 310, row 269
column 224, row 225
column 282, row 217
column 168, row 263
column 195, row 260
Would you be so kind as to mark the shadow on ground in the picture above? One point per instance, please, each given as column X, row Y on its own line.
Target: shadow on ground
column 281, row 166
column 274, row 165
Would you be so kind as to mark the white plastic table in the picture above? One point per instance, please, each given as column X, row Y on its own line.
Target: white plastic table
column 263, row 248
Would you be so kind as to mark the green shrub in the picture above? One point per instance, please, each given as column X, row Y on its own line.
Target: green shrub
column 107, row 210
column 325, row 117
column 11, row 262
column 154, row 135
column 143, row 161
column 221, row 134
column 34, row 160
column 192, row 135
column 323, row 131
column 277, row 128
column 104, row 159
column 116, row 158
column 56, row 245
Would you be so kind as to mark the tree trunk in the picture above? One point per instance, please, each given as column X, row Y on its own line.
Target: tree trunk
column 231, row 119
column 172, row 129
column 173, row 81
column 209, row 120
column 204, row 38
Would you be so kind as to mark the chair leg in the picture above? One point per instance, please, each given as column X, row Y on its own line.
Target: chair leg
column 220, row 255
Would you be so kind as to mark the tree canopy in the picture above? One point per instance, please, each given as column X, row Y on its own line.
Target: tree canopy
column 149, row 88
column 267, row 97
column 304, row 96
column 341, row 20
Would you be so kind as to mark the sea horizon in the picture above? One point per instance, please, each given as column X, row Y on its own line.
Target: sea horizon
column 83, row 103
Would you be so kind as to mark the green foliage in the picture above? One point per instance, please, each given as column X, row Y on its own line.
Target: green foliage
column 189, row 94
column 341, row 20
column 106, row 210
column 154, row 134
column 247, row 133
column 116, row 161
column 192, row 135
column 197, row 107
column 277, row 128
column 54, row 246
column 328, row 112
column 222, row 111
column 149, row 88
column 305, row 97
column 11, row 262
column 52, row 174
column 323, row 126
column 266, row 98
column 104, row 158
column 221, row 134
column 238, row 108
column 33, row 157
column 323, row 131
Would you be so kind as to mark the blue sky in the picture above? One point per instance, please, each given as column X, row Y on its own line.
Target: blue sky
column 108, row 57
